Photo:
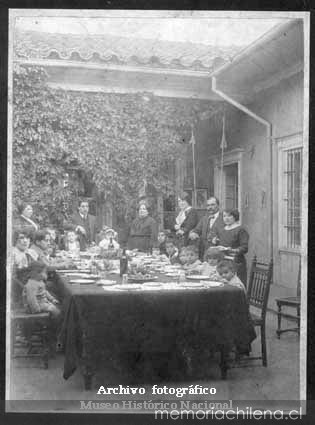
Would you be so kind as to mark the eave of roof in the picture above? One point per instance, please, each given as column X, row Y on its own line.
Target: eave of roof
column 121, row 51
column 276, row 55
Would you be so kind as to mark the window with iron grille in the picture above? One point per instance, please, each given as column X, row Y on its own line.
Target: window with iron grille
column 292, row 179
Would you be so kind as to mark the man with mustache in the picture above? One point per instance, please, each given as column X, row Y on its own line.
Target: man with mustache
column 208, row 226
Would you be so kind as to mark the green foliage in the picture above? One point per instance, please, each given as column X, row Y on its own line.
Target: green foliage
column 120, row 139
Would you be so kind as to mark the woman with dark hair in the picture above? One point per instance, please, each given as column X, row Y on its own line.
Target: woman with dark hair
column 186, row 220
column 24, row 221
column 235, row 238
column 143, row 231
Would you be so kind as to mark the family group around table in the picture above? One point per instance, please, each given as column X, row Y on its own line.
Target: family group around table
column 213, row 246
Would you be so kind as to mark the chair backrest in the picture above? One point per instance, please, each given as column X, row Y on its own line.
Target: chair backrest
column 259, row 285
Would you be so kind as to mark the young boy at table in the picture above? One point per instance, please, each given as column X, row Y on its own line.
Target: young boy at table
column 162, row 237
column 213, row 257
column 227, row 271
column 171, row 250
column 182, row 256
column 109, row 240
column 37, row 299
column 192, row 264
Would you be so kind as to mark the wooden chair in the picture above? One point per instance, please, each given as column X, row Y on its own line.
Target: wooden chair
column 257, row 296
column 30, row 335
column 291, row 302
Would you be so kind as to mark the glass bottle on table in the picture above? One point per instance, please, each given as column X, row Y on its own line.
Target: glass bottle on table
column 93, row 267
column 123, row 263
column 181, row 276
column 111, row 244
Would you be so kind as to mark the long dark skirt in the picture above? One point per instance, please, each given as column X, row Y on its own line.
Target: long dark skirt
column 241, row 270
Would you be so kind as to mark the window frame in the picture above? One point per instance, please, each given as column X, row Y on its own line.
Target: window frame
column 283, row 147
column 234, row 156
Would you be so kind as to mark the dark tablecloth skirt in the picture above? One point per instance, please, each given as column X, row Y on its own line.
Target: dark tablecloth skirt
column 98, row 323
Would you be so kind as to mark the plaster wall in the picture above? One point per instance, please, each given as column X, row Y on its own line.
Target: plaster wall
column 282, row 106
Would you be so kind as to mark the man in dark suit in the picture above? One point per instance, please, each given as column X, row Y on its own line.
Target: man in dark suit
column 84, row 224
column 208, row 225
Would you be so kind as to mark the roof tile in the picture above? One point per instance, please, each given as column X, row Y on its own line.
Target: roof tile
column 108, row 48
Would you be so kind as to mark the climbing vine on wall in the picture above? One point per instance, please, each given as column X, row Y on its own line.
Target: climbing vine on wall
column 121, row 140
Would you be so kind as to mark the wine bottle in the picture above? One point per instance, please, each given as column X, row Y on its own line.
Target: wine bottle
column 123, row 263
column 111, row 244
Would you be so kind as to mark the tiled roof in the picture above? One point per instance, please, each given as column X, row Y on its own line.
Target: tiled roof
column 121, row 50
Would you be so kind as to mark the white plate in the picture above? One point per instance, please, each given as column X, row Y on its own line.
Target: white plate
column 197, row 277
column 105, row 282
column 152, row 284
column 172, row 274
column 192, row 284
column 213, row 284
column 87, row 281
column 172, row 269
column 128, row 287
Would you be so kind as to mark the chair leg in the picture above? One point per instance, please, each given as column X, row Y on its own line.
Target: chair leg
column 279, row 321
column 46, row 346
column 263, row 345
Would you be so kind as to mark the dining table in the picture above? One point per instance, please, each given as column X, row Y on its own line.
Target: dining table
column 160, row 314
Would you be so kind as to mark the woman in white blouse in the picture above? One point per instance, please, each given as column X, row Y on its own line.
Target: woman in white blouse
column 186, row 219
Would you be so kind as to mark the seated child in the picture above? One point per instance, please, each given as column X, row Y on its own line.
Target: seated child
column 36, row 298
column 183, row 256
column 53, row 245
column 171, row 250
column 108, row 240
column 209, row 268
column 227, row 270
column 71, row 242
column 162, row 236
column 192, row 263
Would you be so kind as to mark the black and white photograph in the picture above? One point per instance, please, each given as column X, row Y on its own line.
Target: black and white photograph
column 157, row 204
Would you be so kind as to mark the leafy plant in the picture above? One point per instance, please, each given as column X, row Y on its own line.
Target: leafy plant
column 122, row 140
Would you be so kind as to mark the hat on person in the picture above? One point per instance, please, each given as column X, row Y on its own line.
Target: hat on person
column 109, row 230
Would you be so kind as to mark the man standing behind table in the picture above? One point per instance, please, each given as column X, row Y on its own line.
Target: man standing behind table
column 84, row 225
column 208, row 226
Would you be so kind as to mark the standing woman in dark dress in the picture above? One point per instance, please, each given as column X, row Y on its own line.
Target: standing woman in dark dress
column 235, row 238
column 186, row 220
column 143, row 231
column 25, row 221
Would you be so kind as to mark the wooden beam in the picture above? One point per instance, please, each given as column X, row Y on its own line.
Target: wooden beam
column 174, row 93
